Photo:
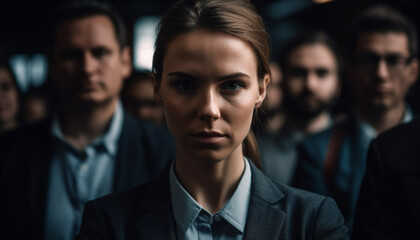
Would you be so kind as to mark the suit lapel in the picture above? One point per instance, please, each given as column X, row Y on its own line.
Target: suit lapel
column 154, row 216
column 265, row 219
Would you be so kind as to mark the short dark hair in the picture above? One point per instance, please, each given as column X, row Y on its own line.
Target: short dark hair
column 381, row 19
column 86, row 8
column 310, row 38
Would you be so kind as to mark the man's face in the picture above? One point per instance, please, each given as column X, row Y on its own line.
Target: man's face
column 311, row 82
column 382, row 72
column 9, row 99
column 142, row 103
column 275, row 92
column 88, row 65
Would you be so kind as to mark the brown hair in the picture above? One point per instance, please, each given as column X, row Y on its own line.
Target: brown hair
column 238, row 18
column 382, row 18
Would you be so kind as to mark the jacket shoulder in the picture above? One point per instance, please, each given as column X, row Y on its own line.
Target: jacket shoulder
column 311, row 214
column 299, row 198
column 397, row 148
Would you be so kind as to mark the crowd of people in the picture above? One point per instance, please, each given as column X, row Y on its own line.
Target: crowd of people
column 220, row 140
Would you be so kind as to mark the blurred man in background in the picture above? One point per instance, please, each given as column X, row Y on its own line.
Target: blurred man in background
column 139, row 99
column 9, row 98
column 311, row 85
column 274, row 107
column 383, row 67
column 90, row 147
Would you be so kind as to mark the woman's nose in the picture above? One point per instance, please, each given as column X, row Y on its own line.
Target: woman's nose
column 209, row 106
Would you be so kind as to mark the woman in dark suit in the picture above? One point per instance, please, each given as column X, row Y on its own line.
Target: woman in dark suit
column 211, row 68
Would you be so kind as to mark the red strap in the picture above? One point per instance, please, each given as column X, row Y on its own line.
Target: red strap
column 333, row 152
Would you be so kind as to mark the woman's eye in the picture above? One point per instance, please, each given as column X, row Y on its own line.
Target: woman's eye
column 232, row 85
column 184, row 85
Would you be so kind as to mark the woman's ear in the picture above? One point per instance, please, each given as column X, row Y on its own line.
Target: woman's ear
column 262, row 90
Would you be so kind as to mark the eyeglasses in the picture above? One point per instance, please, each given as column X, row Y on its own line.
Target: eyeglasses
column 395, row 63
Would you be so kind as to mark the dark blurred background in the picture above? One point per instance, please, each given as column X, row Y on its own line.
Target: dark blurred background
column 23, row 25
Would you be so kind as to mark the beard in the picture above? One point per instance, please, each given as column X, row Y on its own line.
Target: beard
column 307, row 105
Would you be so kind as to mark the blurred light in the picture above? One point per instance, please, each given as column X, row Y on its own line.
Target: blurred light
column 30, row 71
column 144, row 40
column 38, row 69
column 322, row 1
column 19, row 66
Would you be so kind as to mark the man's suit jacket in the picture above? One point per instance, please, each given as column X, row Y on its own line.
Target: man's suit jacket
column 143, row 151
column 345, row 184
column 389, row 200
column 276, row 211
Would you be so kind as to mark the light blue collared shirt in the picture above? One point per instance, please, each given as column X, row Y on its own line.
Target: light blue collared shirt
column 77, row 177
column 194, row 222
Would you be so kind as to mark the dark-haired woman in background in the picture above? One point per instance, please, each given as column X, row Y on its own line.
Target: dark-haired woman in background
column 212, row 68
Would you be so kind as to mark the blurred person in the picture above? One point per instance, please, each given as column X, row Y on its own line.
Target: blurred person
column 274, row 107
column 139, row 99
column 212, row 69
column 9, row 99
column 90, row 147
column 388, row 204
column 382, row 68
column 311, row 65
column 35, row 106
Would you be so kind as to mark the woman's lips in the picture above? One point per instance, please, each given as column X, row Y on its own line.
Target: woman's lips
column 208, row 137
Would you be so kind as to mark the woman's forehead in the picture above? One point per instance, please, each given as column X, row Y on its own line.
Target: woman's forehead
column 215, row 51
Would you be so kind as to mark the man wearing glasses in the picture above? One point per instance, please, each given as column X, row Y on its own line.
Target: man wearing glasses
column 383, row 67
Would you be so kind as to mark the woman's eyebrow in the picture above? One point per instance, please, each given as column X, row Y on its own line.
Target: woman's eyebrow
column 221, row 78
column 182, row 74
column 233, row 76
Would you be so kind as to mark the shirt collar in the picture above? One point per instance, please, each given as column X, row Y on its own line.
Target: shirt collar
column 186, row 209
column 109, row 139
column 236, row 209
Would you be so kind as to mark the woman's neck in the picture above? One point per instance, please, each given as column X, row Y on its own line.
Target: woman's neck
column 210, row 183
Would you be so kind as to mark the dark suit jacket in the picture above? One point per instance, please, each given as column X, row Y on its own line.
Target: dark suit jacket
column 276, row 212
column 389, row 200
column 25, row 154
column 345, row 184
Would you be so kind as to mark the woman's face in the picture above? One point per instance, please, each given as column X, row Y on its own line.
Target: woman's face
column 209, row 88
column 8, row 97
